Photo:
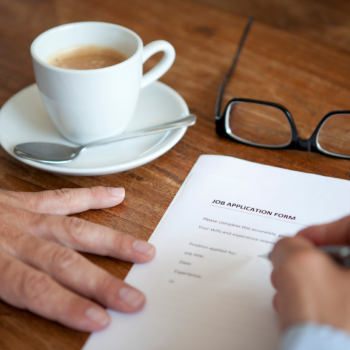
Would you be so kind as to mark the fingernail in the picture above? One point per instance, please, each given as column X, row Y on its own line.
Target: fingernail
column 116, row 192
column 98, row 316
column 143, row 247
column 131, row 296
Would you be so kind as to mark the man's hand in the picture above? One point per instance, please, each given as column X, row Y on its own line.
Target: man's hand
column 40, row 271
column 310, row 285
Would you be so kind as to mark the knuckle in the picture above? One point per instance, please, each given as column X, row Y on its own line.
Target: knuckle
column 96, row 191
column 10, row 237
column 106, row 281
column 25, row 218
column 65, row 195
column 75, row 225
column 117, row 240
column 34, row 285
column 6, row 231
column 63, row 258
column 78, row 231
column 121, row 242
column 14, row 217
column 108, row 284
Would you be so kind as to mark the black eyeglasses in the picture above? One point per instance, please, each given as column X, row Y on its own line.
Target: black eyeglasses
column 270, row 125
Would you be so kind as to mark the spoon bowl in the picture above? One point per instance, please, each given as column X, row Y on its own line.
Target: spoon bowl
column 47, row 152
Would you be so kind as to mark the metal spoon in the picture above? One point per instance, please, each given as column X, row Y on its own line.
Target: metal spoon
column 54, row 153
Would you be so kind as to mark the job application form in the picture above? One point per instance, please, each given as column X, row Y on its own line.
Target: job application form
column 207, row 287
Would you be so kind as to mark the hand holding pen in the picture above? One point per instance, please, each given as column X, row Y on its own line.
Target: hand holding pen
column 339, row 253
column 310, row 286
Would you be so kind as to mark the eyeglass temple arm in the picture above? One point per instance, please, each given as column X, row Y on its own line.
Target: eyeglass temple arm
column 232, row 67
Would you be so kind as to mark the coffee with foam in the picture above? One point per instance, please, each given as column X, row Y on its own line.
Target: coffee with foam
column 86, row 57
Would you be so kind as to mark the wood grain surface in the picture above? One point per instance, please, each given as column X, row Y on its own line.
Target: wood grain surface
column 321, row 20
column 309, row 77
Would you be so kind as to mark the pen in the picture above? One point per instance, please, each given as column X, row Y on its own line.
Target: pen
column 339, row 253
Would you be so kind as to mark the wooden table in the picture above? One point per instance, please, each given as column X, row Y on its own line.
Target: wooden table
column 308, row 78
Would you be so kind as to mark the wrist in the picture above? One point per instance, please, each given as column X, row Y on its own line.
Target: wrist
column 312, row 335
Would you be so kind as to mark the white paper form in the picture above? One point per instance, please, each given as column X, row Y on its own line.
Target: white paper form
column 206, row 287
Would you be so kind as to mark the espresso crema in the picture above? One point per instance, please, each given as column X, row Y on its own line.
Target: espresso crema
column 87, row 57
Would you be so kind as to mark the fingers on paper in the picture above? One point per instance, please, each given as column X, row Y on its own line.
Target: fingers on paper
column 89, row 237
column 67, row 200
column 27, row 288
column 337, row 232
column 41, row 264
column 75, row 272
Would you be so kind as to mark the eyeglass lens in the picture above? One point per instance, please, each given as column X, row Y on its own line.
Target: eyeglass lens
column 259, row 124
column 334, row 135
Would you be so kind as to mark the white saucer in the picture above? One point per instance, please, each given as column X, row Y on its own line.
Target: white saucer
column 23, row 118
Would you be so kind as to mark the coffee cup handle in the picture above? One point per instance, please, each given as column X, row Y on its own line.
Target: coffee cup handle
column 162, row 67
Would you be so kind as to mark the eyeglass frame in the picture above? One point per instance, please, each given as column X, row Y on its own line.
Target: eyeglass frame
column 222, row 123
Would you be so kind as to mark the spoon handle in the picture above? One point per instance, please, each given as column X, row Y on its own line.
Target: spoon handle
column 179, row 123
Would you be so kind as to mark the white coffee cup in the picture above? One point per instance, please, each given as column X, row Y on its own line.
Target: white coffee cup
column 89, row 105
